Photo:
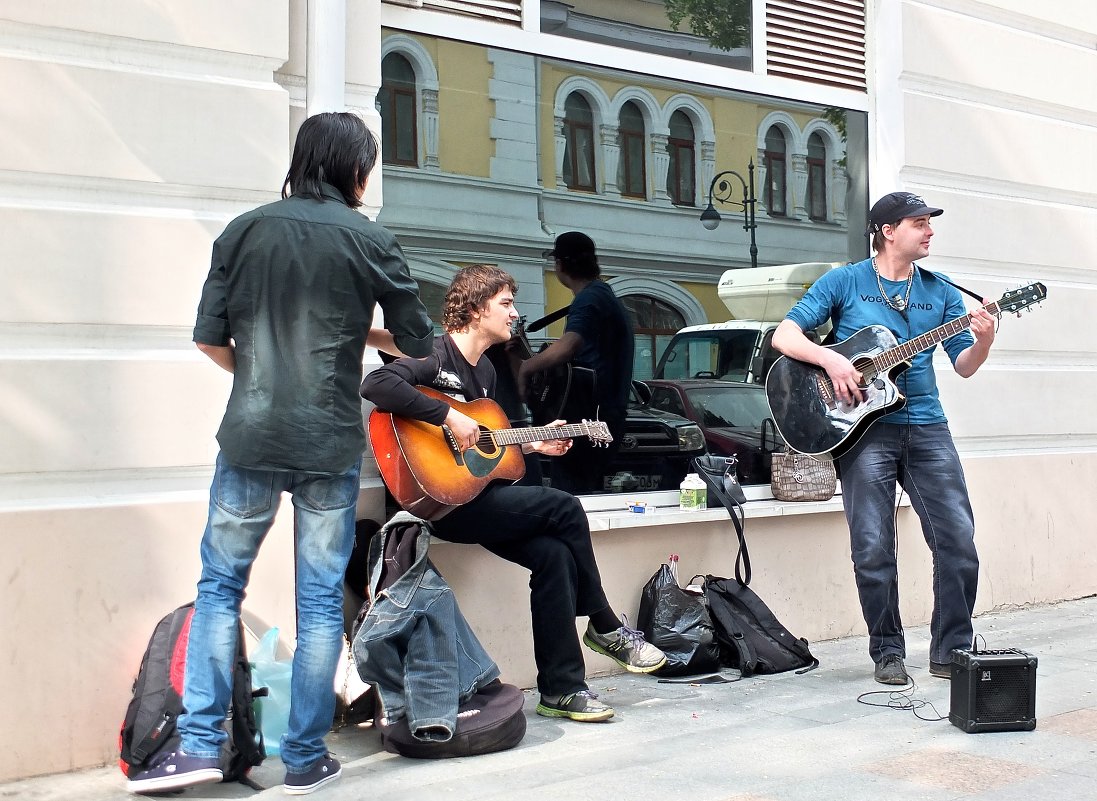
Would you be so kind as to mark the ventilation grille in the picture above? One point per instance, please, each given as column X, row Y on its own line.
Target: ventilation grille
column 500, row 10
column 820, row 41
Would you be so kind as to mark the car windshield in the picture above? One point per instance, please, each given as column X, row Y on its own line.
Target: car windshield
column 732, row 407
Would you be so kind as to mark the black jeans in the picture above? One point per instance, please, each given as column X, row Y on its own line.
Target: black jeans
column 545, row 531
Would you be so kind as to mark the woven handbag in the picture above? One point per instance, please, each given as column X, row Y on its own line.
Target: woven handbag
column 800, row 477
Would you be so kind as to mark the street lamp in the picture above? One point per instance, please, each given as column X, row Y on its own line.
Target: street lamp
column 721, row 190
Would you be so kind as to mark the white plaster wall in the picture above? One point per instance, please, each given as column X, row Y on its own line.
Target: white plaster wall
column 132, row 132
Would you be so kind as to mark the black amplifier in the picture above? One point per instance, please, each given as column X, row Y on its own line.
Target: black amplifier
column 993, row 691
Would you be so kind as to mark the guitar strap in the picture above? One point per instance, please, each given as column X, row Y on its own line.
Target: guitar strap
column 930, row 276
column 927, row 275
column 548, row 319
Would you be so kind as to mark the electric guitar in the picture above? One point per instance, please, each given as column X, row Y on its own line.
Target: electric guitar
column 806, row 409
column 428, row 474
column 553, row 394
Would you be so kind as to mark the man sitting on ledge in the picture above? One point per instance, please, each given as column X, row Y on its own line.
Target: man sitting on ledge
column 540, row 528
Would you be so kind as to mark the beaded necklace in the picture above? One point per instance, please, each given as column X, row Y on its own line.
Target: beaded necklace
column 898, row 303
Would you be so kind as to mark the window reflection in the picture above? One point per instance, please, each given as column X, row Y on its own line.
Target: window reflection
column 817, row 178
column 631, row 179
column 776, row 178
column 644, row 25
column 680, row 148
column 579, row 147
column 396, row 102
column 513, row 148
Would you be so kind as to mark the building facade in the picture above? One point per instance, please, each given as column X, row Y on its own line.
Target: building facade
column 133, row 132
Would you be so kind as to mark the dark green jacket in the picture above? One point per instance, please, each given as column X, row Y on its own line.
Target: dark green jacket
column 293, row 285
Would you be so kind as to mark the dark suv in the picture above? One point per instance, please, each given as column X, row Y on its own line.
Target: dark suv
column 734, row 416
column 656, row 448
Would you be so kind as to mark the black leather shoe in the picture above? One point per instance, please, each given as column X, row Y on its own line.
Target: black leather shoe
column 942, row 670
column 890, row 670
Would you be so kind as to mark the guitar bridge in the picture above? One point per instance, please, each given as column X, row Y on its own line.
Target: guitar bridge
column 826, row 389
column 454, row 448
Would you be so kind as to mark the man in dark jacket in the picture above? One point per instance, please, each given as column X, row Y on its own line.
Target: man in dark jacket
column 287, row 309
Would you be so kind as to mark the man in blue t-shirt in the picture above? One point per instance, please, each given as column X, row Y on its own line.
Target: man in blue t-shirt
column 599, row 336
column 912, row 446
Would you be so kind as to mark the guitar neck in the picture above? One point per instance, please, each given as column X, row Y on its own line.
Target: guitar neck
column 887, row 359
column 516, row 436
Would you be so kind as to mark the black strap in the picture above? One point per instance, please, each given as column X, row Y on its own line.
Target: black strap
column 929, row 276
column 715, row 678
column 548, row 319
column 738, row 517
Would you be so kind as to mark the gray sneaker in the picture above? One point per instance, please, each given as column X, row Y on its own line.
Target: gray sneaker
column 627, row 647
column 582, row 706
column 891, row 670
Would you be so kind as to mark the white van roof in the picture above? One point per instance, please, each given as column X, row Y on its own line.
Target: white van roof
column 767, row 293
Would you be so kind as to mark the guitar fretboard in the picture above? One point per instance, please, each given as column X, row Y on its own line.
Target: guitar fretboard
column 515, row 436
column 887, row 359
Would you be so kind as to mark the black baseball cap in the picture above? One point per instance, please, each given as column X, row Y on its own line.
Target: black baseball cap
column 569, row 245
column 898, row 206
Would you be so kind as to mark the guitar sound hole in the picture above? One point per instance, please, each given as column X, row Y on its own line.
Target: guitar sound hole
column 868, row 373
column 485, row 444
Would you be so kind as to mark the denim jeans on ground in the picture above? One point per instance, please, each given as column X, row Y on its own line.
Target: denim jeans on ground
column 545, row 531
column 242, row 506
column 923, row 459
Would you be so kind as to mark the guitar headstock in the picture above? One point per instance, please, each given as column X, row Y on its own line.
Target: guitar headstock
column 1016, row 300
column 598, row 432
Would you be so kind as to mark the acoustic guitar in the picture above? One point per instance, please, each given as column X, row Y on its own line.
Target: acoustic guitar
column 428, row 474
column 806, row 409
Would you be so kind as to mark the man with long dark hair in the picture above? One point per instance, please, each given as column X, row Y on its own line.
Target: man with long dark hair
column 287, row 309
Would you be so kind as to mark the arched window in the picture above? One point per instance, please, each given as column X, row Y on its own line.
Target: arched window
column 817, row 178
column 654, row 323
column 680, row 174
column 631, row 178
column 396, row 103
column 579, row 143
column 776, row 175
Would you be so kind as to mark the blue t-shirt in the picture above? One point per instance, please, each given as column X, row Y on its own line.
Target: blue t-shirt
column 851, row 295
column 599, row 317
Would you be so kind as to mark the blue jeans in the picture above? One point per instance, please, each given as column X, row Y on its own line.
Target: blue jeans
column 923, row 459
column 242, row 506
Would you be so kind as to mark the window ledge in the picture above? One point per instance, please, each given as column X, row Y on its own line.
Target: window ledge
column 610, row 512
column 670, row 514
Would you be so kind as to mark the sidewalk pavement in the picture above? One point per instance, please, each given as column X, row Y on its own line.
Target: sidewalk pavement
column 769, row 738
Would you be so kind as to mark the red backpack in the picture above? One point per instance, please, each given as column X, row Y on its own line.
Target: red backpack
column 149, row 727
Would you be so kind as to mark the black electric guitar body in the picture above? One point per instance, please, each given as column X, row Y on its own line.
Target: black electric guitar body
column 812, row 419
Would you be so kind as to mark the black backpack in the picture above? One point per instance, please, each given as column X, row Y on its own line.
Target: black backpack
column 149, row 726
column 751, row 637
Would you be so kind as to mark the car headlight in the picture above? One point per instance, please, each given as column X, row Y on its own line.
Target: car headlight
column 690, row 438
